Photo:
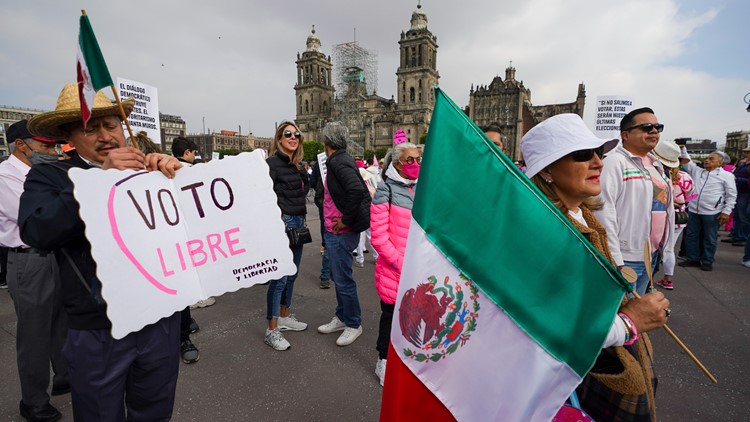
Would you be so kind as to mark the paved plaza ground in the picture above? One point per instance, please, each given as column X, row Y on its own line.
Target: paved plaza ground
column 239, row 378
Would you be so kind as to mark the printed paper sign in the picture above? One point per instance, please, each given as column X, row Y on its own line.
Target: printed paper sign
column 610, row 110
column 145, row 114
column 215, row 155
column 322, row 157
column 399, row 137
column 163, row 244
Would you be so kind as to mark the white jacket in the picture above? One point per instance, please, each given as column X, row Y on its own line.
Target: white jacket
column 627, row 195
column 716, row 190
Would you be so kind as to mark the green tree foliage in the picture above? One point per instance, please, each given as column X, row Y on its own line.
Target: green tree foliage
column 228, row 151
column 422, row 138
column 312, row 149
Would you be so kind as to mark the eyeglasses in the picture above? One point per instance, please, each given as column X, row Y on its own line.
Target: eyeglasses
column 587, row 154
column 411, row 160
column 646, row 127
column 289, row 133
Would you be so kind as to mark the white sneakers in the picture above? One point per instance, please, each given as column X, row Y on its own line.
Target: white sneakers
column 332, row 327
column 291, row 323
column 204, row 303
column 746, row 263
column 347, row 337
column 275, row 339
column 380, row 370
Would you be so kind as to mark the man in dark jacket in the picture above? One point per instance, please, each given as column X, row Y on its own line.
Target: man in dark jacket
column 316, row 182
column 346, row 209
column 133, row 377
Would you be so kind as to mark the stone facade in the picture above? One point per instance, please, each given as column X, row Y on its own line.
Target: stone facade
column 736, row 142
column 508, row 103
column 171, row 127
column 372, row 120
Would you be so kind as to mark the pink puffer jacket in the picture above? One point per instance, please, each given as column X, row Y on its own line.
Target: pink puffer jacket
column 390, row 216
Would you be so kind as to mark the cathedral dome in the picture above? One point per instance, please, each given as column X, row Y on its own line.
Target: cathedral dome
column 313, row 42
column 418, row 19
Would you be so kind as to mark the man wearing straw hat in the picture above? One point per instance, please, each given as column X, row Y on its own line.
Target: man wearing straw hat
column 109, row 378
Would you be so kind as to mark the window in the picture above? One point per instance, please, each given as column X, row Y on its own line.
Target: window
column 307, row 106
column 411, row 94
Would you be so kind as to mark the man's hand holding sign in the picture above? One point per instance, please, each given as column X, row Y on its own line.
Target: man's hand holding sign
column 171, row 242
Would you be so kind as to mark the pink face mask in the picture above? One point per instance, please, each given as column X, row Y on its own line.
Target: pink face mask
column 411, row 170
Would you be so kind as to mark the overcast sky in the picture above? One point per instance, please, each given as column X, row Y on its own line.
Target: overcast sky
column 232, row 61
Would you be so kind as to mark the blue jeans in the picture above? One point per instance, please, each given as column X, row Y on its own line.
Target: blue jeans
column 741, row 228
column 641, row 284
column 340, row 247
column 280, row 291
column 708, row 225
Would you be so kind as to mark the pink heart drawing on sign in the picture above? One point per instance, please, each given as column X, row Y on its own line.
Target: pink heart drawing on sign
column 121, row 243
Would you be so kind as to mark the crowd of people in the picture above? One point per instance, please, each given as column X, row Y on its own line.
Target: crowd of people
column 630, row 198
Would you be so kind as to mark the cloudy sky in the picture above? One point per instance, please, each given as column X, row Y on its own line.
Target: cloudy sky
column 232, row 61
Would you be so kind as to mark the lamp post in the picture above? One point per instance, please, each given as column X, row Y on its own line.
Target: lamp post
column 747, row 101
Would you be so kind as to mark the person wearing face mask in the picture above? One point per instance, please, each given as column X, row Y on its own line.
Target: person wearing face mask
column 34, row 284
column 390, row 216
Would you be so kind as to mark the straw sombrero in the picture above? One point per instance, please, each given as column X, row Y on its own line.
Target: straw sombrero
column 68, row 110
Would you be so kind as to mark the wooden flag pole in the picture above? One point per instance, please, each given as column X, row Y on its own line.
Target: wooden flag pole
column 647, row 257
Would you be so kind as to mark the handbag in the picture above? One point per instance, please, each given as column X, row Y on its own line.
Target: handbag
column 571, row 411
column 680, row 217
column 298, row 236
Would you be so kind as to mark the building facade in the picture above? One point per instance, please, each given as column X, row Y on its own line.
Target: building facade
column 171, row 127
column 8, row 116
column 372, row 120
column 508, row 104
column 225, row 140
column 736, row 142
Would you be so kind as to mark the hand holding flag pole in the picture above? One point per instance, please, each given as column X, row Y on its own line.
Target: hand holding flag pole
column 647, row 259
column 93, row 74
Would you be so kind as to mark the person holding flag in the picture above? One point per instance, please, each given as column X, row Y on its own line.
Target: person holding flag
column 564, row 160
column 134, row 377
column 482, row 331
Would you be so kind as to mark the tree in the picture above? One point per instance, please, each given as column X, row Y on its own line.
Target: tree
column 422, row 138
column 228, row 151
column 381, row 152
column 312, row 149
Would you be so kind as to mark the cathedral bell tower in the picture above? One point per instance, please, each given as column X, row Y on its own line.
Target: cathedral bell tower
column 416, row 75
column 314, row 89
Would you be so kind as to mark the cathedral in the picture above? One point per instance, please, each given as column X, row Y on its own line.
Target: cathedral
column 372, row 120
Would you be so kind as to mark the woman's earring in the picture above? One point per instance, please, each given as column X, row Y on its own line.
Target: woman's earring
column 548, row 181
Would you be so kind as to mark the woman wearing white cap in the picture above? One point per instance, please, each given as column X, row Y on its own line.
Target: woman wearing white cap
column 563, row 159
column 669, row 154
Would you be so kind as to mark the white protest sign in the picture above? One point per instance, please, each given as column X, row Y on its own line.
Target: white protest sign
column 322, row 157
column 610, row 109
column 215, row 155
column 145, row 114
column 163, row 244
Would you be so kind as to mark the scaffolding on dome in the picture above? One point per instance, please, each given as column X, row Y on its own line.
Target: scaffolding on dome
column 355, row 74
column 354, row 63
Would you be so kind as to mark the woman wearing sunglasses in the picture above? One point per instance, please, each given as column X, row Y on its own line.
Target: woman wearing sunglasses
column 564, row 160
column 289, row 181
column 390, row 215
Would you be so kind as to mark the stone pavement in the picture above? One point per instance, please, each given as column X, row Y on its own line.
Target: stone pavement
column 239, row 378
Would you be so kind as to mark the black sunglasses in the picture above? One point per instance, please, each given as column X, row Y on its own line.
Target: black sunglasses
column 289, row 133
column 587, row 154
column 647, row 127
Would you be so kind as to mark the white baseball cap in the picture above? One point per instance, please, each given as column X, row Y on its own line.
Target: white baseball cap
column 557, row 137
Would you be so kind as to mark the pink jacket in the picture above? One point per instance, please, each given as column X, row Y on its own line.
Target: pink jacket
column 390, row 216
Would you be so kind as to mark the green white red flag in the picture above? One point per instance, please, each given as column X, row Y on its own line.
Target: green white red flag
column 503, row 306
column 93, row 74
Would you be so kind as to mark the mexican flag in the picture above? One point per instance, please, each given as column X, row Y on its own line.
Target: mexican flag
column 93, row 74
column 503, row 306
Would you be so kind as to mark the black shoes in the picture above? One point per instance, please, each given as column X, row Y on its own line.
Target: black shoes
column 687, row 263
column 189, row 352
column 325, row 284
column 707, row 267
column 46, row 413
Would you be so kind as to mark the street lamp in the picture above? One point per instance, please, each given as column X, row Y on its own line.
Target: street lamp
column 747, row 101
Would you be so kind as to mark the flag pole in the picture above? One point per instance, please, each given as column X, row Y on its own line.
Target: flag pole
column 122, row 110
column 647, row 258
